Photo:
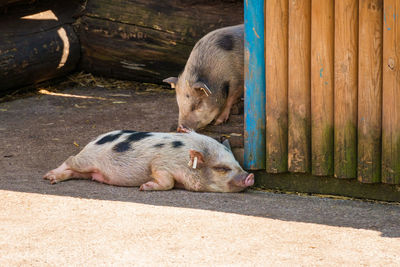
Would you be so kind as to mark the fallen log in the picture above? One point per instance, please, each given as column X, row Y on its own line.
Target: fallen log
column 4, row 3
column 37, row 43
column 148, row 40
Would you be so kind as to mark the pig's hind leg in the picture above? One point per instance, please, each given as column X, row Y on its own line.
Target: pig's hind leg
column 162, row 180
column 68, row 170
column 64, row 172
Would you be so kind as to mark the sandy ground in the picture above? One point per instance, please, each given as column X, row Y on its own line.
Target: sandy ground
column 81, row 222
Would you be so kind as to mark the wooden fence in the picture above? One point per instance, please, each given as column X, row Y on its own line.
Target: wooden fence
column 332, row 88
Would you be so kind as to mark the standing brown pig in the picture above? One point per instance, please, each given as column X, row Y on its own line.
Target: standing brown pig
column 156, row 161
column 212, row 80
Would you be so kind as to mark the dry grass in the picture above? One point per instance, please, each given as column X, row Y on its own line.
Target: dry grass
column 84, row 80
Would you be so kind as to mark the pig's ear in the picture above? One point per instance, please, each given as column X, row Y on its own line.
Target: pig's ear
column 196, row 159
column 227, row 144
column 202, row 86
column 172, row 81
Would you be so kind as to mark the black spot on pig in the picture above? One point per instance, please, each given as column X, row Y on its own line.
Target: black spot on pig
column 122, row 147
column 108, row 138
column 225, row 89
column 159, row 145
column 134, row 137
column 225, row 42
column 177, row 144
column 128, row 131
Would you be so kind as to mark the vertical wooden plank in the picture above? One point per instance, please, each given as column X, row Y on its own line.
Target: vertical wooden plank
column 299, row 86
column 345, row 90
column 391, row 93
column 254, row 71
column 369, row 91
column 322, row 20
column 276, row 31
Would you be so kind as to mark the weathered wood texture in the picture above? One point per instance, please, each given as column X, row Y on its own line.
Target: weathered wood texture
column 254, row 85
column 391, row 93
column 346, row 53
column 4, row 3
column 370, row 91
column 148, row 40
column 322, row 32
column 299, row 86
column 37, row 43
column 276, row 75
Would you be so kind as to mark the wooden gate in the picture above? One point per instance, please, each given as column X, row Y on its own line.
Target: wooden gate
column 322, row 88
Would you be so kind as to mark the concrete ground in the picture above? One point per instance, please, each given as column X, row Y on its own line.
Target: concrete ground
column 84, row 223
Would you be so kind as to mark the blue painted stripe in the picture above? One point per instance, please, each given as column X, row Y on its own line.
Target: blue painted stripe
column 254, row 104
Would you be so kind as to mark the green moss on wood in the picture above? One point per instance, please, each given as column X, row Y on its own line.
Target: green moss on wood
column 369, row 156
column 277, row 151
column 391, row 162
column 322, row 154
column 299, row 150
column 346, row 151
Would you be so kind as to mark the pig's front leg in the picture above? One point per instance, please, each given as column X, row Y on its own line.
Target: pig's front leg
column 224, row 116
column 162, row 180
column 234, row 95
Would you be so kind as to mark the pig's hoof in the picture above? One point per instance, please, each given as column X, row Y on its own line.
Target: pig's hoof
column 222, row 118
column 147, row 187
column 217, row 122
column 220, row 121
column 51, row 177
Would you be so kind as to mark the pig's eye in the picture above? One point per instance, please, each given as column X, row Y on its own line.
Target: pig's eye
column 222, row 169
column 196, row 106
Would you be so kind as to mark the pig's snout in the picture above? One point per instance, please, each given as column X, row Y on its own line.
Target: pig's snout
column 189, row 124
column 183, row 129
column 249, row 181
column 244, row 180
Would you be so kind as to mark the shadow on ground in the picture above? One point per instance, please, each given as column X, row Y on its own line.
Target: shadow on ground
column 40, row 132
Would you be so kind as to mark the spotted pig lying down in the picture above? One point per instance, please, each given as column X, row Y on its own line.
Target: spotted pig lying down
column 156, row 161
